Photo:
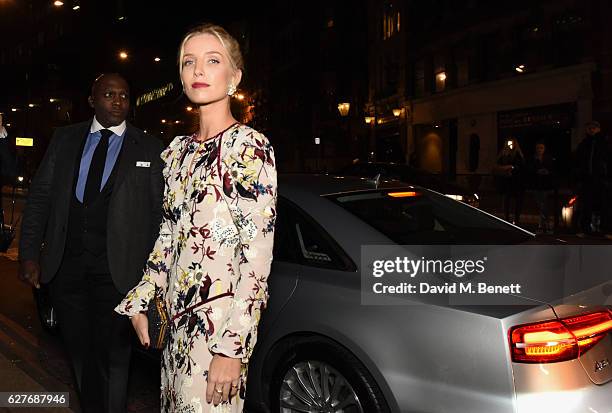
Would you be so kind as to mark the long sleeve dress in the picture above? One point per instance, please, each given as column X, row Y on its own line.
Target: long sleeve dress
column 212, row 258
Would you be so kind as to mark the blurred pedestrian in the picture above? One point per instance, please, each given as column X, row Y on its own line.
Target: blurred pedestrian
column 509, row 172
column 8, row 169
column 593, row 170
column 212, row 259
column 7, row 158
column 91, row 219
column 541, row 181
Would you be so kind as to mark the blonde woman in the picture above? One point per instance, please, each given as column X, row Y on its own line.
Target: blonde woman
column 214, row 250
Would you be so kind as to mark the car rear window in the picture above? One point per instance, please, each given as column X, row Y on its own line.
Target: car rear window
column 419, row 216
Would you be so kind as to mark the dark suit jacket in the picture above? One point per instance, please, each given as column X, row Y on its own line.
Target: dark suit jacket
column 134, row 212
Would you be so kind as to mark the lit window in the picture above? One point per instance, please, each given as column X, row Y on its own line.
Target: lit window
column 385, row 28
column 391, row 24
column 440, row 72
column 440, row 81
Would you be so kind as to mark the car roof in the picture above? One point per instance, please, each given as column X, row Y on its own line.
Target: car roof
column 320, row 184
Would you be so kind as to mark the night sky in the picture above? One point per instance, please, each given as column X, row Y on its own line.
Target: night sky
column 149, row 30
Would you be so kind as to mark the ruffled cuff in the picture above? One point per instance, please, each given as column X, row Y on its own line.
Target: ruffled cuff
column 137, row 300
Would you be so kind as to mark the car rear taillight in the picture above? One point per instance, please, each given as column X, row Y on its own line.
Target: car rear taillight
column 558, row 340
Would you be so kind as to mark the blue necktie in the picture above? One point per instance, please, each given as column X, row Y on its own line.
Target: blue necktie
column 96, row 168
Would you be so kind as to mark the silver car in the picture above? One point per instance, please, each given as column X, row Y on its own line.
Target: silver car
column 320, row 350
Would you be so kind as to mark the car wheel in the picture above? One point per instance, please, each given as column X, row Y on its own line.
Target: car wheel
column 318, row 376
column 46, row 313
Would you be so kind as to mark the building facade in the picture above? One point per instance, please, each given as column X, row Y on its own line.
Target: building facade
column 465, row 76
column 317, row 62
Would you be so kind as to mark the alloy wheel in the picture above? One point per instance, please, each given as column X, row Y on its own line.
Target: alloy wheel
column 316, row 387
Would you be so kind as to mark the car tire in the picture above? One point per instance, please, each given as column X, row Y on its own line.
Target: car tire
column 44, row 309
column 312, row 360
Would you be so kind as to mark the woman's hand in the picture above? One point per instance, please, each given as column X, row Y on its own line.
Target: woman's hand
column 223, row 379
column 140, row 322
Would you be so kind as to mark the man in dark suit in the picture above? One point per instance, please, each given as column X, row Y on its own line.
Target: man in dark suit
column 91, row 219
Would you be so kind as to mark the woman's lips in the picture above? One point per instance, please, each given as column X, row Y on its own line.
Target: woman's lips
column 198, row 85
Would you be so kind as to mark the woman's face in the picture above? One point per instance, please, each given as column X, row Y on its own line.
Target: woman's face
column 540, row 149
column 206, row 70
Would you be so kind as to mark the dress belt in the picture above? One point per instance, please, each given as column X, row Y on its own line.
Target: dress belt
column 201, row 303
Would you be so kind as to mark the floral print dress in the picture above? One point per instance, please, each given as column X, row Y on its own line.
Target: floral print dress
column 212, row 259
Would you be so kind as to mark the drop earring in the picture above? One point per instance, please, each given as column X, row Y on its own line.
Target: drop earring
column 231, row 89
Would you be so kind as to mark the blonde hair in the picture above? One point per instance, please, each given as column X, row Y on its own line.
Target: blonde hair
column 229, row 43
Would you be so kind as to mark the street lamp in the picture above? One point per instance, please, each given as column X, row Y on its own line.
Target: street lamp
column 240, row 96
column 189, row 108
column 397, row 112
column 123, row 55
column 58, row 3
column 157, row 59
column 344, row 108
column 369, row 119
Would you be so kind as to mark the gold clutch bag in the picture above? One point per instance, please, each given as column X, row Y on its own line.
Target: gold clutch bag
column 158, row 320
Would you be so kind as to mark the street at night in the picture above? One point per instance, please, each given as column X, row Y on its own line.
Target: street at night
column 343, row 206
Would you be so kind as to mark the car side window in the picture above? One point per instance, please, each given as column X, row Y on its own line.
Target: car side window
column 301, row 239
column 314, row 246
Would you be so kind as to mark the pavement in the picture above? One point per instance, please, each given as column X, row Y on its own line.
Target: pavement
column 29, row 361
column 33, row 360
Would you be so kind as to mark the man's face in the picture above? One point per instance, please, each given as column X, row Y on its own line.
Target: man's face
column 110, row 100
column 592, row 130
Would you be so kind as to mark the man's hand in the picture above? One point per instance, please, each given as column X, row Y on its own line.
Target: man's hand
column 140, row 322
column 29, row 272
column 223, row 379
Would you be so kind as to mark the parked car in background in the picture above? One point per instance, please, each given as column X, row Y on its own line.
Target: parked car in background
column 410, row 175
